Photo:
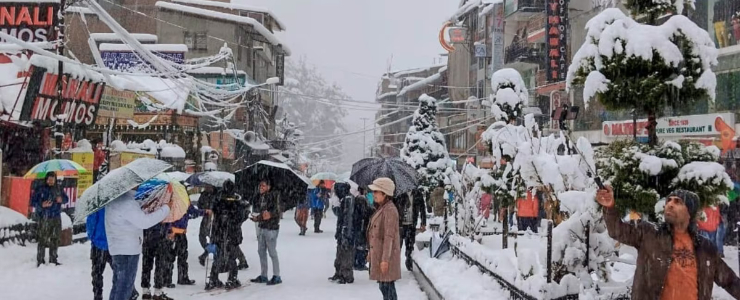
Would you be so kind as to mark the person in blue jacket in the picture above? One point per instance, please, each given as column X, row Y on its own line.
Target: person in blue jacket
column 318, row 203
column 99, row 254
column 47, row 200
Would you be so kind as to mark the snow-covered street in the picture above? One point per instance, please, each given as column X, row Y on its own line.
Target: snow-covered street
column 306, row 263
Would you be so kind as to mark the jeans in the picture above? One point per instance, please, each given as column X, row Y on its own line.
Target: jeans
column 389, row 290
column 124, row 275
column 525, row 222
column 267, row 242
column 711, row 236
column 721, row 231
column 99, row 259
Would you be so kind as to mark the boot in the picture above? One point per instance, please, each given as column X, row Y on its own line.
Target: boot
column 345, row 281
column 243, row 266
column 134, row 295
column 186, row 281
column 147, row 294
column 233, row 283
column 202, row 259
column 409, row 264
column 275, row 280
column 214, row 283
column 318, row 231
column 171, row 286
column 162, row 296
column 259, row 279
column 334, row 278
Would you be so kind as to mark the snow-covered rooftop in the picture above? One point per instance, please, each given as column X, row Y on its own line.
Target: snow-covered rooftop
column 226, row 17
column 420, row 84
column 235, row 6
column 215, row 70
column 465, row 8
column 141, row 37
column 403, row 73
column 151, row 47
column 79, row 10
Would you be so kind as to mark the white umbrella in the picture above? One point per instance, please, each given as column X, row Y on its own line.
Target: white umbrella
column 324, row 176
column 117, row 183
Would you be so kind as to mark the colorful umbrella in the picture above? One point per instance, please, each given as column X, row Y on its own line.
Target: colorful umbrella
column 180, row 202
column 163, row 190
column 329, row 184
column 61, row 167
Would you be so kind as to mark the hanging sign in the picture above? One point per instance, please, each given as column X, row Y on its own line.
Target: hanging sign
column 457, row 34
column 557, row 40
column 118, row 104
column 79, row 103
column 29, row 21
column 693, row 125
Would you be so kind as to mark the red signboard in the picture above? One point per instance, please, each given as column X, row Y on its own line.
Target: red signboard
column 29, row 21
column 79, row 103
column 457, row 34
column 557, row 40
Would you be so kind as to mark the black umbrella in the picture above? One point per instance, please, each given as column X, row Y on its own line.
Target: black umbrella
column 289, row 185
column 365, row 171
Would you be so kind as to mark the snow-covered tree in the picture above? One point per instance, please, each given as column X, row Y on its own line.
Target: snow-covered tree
column 509, row 96
column 627, row 65
column 641, row 175
column 424, row 148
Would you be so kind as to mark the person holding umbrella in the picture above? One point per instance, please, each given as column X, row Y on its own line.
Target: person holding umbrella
column 384, row 240
column 318, row 205
column 267, row 210
column 47, row 200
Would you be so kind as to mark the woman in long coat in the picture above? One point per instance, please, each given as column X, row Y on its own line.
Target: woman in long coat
column 384, row 239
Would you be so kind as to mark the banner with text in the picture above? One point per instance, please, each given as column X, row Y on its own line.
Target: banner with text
column 683, row 126
column 118, row 104
column 556, row 30
column 29, row 21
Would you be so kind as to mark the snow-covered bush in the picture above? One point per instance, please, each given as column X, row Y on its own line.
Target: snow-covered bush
column 627, row 65
column 510, row 95
column 641, row 175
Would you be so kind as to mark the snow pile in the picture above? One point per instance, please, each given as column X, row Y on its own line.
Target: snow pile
column 173, row 151
column 9, row 217
column 118, row 146
column 82, row 146
column 206, row 149
column 210, row 166
column 66, row 221
column 454, row 279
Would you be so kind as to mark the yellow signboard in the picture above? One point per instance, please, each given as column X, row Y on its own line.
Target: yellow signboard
column 87, row 161
column 127, row 157
column 118, row 104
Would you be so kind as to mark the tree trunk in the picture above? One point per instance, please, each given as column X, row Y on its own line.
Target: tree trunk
column 505, row 235
column 652, row 129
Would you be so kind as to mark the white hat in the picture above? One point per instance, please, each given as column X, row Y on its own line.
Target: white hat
column 384, row 185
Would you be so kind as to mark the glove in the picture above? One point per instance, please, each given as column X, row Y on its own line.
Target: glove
column 211, row 248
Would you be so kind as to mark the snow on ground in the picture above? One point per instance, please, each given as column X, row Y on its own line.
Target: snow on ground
column 454, row 279
column 306, row 263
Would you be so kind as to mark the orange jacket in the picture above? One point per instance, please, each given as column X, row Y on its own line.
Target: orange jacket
column 529, row 207
column 712, row 221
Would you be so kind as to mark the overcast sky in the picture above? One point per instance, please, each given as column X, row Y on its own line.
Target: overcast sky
column 351, row 42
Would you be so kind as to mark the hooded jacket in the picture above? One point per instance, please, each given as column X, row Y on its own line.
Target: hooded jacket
column 412, row 205
column 125, row 223
column 229, row 212
column 95, row 225
column 346, row 221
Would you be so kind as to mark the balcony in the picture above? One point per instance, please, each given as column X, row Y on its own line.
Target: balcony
column 525, row 56
column 522, row 10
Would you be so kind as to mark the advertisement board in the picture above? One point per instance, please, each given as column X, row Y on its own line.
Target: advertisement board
column 79, row 103
column 130, row 62
column 556, row 35
column 118, row 104
column 683, row 126
column 29, row 21
column 86, row 160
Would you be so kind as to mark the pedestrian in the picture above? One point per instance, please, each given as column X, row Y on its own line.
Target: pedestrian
column 347, row 217
column 98, row 157
column 722, row 228
column 484, row 207
column 99, row 255
column 205, row 202
column 157, row 247
column 318, row 204
column 267, row 211
column 229, row 212
column 47, row 200
column 527, row 211
column 383, row 238
column 673, row 262
column 411, row 207
column 709, row 225
column 301, row 213
column 363, row 204
column 180, row 255
column 437, row 200
column 124, row 226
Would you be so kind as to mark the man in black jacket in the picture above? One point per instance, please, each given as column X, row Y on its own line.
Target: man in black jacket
column 347, row 223
column 229, row 212
column 205, row 202
column 364, row 209
column 267, row 212
column 411, row 206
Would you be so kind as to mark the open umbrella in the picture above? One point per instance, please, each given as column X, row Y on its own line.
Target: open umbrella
column 161, row 190
column 325, row 176
column 115, row 184
column 289, row 185
column 61, row 167
column 179, row 176
column 214, row 178
column 365, row 171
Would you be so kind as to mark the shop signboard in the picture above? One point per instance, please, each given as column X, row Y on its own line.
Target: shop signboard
column 130, row 61
column 79, row 103
column 86, row 160
column 29, row 21
column 128, row 157
column 458, row 34
column 683, row 126
column 117, row 104
column 556, row 34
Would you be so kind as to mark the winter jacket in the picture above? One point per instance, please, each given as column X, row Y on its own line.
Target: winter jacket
column 366, row 210
column 269, row 203
column 206, row 199
column 95, row 225
column 485, row 205
column 229, row 212
column 385, row 244
column 711, row 222
column 48, row 193
column 157, row 233
column 437, row 201
column 409, row 211
column 125, row 223
column 181, row 225
column 527, row 207
column 345, row 234
column 317, row 198
column 655, row 249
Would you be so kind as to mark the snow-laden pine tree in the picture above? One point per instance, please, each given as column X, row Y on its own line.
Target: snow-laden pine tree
column 628, row 65
column 424, row 148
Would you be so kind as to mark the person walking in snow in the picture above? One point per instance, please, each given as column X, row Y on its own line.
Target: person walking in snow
column 365, row 210
column 673, row 261
column 205, row 202
column 383, row 238
column 157, row 248
column 527, row 212
column 180, row 251
column 47, row 200
column 99, row 255
column 229, row 212
column 410, row 208
column 318, row 203
column 124, row 228
column 301, row 213
column 267, row 212
column 345, row 236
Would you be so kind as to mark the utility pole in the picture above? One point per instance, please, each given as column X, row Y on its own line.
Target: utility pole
column 364, row 136
column 221, row 139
